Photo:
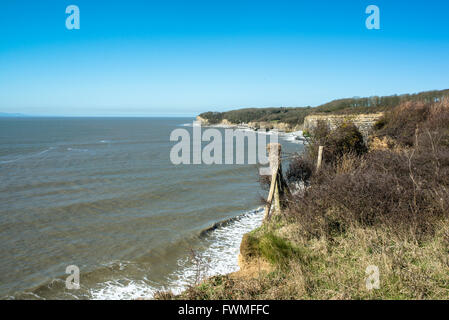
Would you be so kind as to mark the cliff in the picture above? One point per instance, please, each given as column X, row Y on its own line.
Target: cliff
column 269, row 125
column 292, row 118
column 363, row 122
column 202, row 120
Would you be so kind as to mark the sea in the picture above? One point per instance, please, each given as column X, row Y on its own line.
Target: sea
column 102, row 196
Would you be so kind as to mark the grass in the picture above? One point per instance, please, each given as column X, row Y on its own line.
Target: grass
column 336, row 269
column 267, row 245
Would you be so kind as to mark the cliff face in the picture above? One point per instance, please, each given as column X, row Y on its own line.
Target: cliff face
column 363, row 122
column 202, row 120
column 281, row 126
column 223, row 122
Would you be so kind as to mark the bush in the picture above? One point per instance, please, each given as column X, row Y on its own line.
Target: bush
column 346, row 138
column 405, row 191
column 212, row 117
column 300, row 170
column 402, row 122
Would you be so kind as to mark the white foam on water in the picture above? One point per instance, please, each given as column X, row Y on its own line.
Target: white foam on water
column 220, row 255
column 34, row 295
column 32, row 155
column 123, row 290
column 7, row 161
column 77, row 150
column 294, row 137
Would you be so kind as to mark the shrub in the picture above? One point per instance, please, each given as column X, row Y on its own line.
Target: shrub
column 212, row 117
column 300, row 170
column 405, row 191
column 402, row 122
column 346, row 138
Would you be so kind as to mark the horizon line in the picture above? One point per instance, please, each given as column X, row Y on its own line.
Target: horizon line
column 25, row 115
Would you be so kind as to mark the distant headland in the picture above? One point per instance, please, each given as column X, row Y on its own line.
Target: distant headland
column 300, row 118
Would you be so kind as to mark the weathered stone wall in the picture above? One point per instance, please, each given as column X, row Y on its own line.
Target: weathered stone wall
column 363, row 122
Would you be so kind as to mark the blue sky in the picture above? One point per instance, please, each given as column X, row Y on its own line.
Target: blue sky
column 184, row 57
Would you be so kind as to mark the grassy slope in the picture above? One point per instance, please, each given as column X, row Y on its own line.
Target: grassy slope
column 320, row 268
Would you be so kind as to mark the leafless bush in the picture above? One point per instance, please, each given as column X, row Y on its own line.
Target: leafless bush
column 406, row 191
column 200, row 265
column 300, row 170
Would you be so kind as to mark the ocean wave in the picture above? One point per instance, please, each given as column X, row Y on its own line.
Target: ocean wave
column 28, row 156
column 123, row 290
column 220, row 256
column 128, row 280
column 77, row 150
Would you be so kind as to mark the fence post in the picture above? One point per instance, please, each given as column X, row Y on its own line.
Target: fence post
column 320, row 158
column 278, row 186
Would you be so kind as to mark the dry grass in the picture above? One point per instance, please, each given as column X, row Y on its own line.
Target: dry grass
column 336, row 270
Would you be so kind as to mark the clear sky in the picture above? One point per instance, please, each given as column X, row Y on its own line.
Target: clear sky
column 184, row 57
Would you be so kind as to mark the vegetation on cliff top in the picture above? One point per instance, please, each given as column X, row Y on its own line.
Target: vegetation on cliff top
column 385, row 204
column 296, row 115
